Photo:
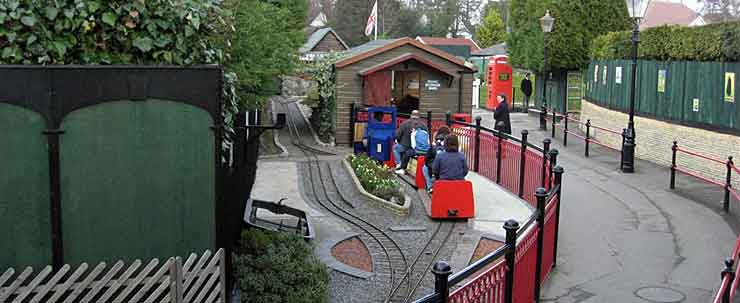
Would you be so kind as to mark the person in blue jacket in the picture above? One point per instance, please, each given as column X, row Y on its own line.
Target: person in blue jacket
column 436, row 149
column 451, row 164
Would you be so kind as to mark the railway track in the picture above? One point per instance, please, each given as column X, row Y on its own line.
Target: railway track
column 389, row 261
column 422, row 263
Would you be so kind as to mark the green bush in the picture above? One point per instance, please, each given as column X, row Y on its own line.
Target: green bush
column 376, row 178
column 714, row 42
column 109, row 32
column 278, row 267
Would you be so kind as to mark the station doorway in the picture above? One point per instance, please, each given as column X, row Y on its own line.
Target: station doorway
column 406, row 90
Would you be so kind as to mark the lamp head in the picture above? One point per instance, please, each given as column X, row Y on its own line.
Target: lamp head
column 546, row 22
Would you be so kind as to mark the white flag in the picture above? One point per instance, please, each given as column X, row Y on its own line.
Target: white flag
column 371, row 21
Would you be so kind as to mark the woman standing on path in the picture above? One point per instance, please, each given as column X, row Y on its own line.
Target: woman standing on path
column 501, row 115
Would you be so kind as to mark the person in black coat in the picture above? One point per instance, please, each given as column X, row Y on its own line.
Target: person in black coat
column 501, row 115
column 526, row 87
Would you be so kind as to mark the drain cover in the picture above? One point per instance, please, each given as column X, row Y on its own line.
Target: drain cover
column 660, row 294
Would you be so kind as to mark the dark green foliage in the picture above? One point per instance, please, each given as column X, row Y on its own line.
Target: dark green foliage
column 492, row 31
column 576, row 22
column 714, row 42
column 279, row 268
column 269, row 34
column 109, row 32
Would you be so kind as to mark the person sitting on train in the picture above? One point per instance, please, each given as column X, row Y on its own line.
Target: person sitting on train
column 403, row 148
column 451, row 164
column 432, row 153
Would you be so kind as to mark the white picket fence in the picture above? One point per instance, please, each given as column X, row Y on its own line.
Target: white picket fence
column 199, row 279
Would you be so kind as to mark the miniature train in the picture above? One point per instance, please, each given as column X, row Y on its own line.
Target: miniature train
column 374, row 133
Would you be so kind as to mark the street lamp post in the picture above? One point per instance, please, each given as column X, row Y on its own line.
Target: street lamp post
column 546, row 22
column 637, row 9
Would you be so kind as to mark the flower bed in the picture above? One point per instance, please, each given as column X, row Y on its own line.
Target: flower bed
column 376, row 178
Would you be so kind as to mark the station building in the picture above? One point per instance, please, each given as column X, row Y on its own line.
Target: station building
column 402, row 72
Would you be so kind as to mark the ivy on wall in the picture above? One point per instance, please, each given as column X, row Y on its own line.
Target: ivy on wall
column 323, row 72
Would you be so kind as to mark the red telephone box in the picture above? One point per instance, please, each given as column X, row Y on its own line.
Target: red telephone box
column 500, row 80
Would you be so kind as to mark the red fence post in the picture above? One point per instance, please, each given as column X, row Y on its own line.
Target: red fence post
column 476, row 165
column 727, row 271
column 511, row 227
column 674, row 148
column 558, row 181
column 523, row 162
column 728, row 184
column 541, row 195
column 545, row 154
column 441, row 271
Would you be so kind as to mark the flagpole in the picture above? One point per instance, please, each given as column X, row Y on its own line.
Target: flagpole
column 376, row 28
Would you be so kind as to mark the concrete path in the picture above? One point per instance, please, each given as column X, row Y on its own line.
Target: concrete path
column 494, row 205
column 627, row 237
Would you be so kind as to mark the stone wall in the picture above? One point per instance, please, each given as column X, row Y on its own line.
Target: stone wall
column 654, row 140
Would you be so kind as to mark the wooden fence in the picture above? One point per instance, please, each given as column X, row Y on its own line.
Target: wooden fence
column 198, row 279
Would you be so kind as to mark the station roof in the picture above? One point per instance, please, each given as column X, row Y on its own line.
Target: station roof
column 375, row 47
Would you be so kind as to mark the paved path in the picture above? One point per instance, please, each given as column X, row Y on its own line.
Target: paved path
column 627, row 236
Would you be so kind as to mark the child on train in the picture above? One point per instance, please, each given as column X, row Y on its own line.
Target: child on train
column 432, row 153
column 451, row 164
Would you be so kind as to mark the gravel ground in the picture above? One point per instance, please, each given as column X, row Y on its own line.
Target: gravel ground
column 345, row 288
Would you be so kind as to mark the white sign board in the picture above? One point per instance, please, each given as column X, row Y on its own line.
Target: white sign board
column 432, row 84
column 618, row 75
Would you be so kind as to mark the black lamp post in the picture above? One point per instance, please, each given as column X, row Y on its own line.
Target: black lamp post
column 546, row 22
column 637, row 9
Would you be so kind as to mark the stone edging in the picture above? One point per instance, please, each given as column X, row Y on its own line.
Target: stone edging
column 401, row 210
column 324, row 249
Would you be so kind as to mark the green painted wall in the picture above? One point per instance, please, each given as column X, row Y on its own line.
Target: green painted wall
column 684, row 82
column 24, row 189
column 137, row 181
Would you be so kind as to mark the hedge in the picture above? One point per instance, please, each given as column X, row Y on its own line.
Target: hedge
column 109, row 32
column 714, row 42
column 275, row 267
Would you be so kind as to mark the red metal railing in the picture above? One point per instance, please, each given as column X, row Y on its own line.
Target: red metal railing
column 587, row 137
column 551, row 225
column 729, row 284
column 526, row 261
column 729, row 168
column 487, row 287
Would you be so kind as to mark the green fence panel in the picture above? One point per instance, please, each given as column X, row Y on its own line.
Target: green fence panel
column 137, row 181
column 728, row 110
column 24, row 189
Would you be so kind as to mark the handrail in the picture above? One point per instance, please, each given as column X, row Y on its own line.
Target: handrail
column 477, row 265
column 695, row 154
column 499, row 134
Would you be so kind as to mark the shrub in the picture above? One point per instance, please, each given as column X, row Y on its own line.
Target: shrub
column 278, row 267
column 376, row 178
column 714, row 42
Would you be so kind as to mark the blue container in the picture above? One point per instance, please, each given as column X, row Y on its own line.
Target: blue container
column 381, row 130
